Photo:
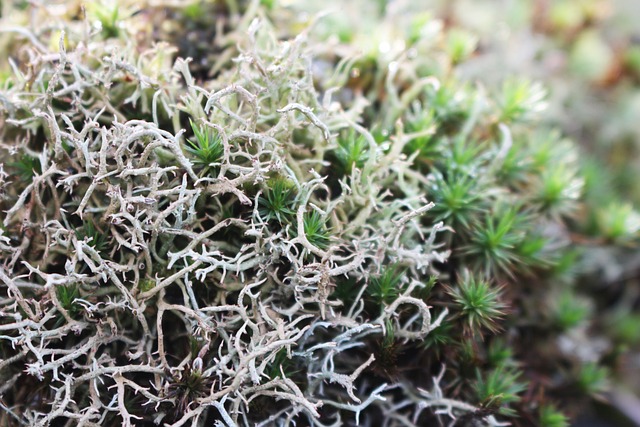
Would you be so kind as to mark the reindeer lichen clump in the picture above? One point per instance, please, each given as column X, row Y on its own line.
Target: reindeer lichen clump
column 254, row 241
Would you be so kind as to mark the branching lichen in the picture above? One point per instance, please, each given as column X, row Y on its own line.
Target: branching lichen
column 256, row 246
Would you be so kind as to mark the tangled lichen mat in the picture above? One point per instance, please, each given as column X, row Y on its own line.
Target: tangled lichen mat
column 278, row 213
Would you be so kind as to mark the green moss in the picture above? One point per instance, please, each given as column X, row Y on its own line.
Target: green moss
column 499, row 389
column 352, row 151
column 478, row 303
column 551, row 417
column 277, row 202
column 592, row 378
column 206, row 149
column 315, row 229
column 387, row 286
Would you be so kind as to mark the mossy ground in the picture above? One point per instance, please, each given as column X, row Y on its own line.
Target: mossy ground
column 306, row 221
